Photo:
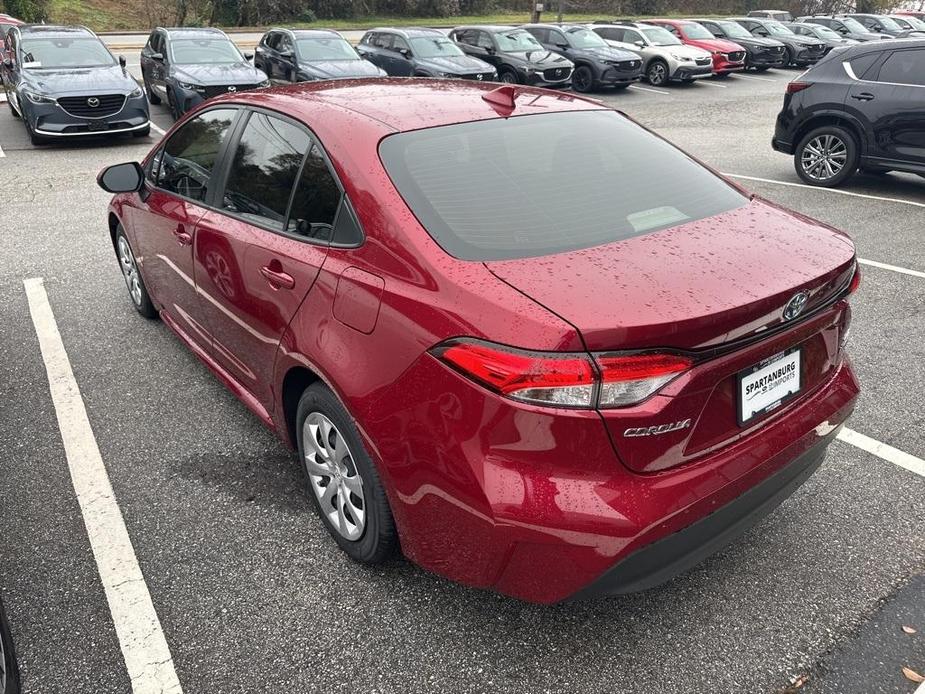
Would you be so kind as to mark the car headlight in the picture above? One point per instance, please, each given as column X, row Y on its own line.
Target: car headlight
column 681, row 58
column 136, row 92
column 529, row 69
column 37, row 98
column 266, row 83
column 192, row 87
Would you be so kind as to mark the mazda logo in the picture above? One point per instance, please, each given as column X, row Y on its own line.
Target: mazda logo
column 478, row 77
column 232, row 88
column 93, row 102
column 795, row 306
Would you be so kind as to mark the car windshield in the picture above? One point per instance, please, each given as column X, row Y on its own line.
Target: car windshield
column 334, row 48
column 696, row 32
column 485, row 191
column 735, row 31
column 204, row 51
column 50, row 53
column 777, row 29
column 517, row 41
column 914, row 23
column 660, row 37
column 824, row 32
column 585, row 38
column 889, row 24
column 434, row 47
column 853, row 25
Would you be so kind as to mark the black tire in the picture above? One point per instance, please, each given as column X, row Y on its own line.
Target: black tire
column 620, row 87
column 378, row 540
column 657, row 73
column 508, row 76
column 831, row 140
column 34, row 137
column 583, row 79
column 788, row 56
column 140, row 298
column 9, row 667
column 762, row 68
column 874, row 170
column 144, row 132
column 152, row 97
column 12, row 109
column 174, row 107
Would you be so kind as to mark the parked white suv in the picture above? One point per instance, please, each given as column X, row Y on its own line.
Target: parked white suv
column 665, row 58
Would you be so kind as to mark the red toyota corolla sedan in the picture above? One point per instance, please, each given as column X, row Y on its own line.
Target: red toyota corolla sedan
column 508, row 330
column 728, row 56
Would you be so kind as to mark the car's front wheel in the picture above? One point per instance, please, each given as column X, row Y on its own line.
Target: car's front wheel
column 175, row 111
column 135, row 284
column 152, row 95
column 826, row 156
column 342, row 479
column 657, row 73
column 508, row 76
column 583, row 79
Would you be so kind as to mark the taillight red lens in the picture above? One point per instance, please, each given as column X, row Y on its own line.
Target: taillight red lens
column 555, row 379
column 628, row 379
column 855, row 280
column 567, row 380
column 794, row 87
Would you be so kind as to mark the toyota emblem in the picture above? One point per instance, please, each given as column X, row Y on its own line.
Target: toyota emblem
column 796, row 305
column 232, row 88
column 93, row 102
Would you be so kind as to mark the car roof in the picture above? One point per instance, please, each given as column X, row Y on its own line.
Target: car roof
column 400, row 105
column 55, row 31
column 880, row 46
column 673, row 22
column 194, row 32
column 310, row 33
column 408, row 32
column 490, row 28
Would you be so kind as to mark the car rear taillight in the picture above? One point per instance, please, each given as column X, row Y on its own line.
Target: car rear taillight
column 855, row 280
column 562, row 379
column 794, row 87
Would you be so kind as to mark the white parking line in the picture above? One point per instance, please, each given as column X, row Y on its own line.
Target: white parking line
column 144, row 648
column 752, row 77
column 2, row 153
column 2, row 97
column 649, row 89
column 158, row 129
column 712, row 84
column 826, row 190
column 883, row 450
column 894, row 268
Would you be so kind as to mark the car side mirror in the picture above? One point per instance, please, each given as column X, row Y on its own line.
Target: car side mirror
column 405, row 52
column 761, row 32
column 122, row 62
column 641, row 44
column 284, row 54
column 248, row 56
column 490, row 50
column 159, row 57
column 563, row 46
column 121, row 178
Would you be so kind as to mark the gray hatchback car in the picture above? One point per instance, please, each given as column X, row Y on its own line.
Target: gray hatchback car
column 419, row 52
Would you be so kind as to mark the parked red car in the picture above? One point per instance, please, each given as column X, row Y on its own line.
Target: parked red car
column 728, row 56
column 527, row 366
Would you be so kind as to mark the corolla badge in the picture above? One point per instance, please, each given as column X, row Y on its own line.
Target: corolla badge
column 93, row 102
column 658, row 429
column 795, row 306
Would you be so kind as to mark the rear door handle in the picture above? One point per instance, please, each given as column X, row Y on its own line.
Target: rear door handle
column 183, row 239
column 274, row 275
column 863, row 96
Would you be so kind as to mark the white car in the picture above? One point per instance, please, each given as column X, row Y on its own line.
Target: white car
column 665, row 59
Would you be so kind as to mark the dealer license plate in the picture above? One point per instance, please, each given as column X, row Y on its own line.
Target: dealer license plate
column 768, row 384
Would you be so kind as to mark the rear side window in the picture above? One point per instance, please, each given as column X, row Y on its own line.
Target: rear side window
column 863, row 63
column 314, row 205
column 904, row 67
column 534, row 185
column 185, row 164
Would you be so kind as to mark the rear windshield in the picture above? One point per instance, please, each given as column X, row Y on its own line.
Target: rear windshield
column 533, row 185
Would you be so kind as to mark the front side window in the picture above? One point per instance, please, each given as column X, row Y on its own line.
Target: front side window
column 315, row 202
column 904, row 67
column 204, row 52
column 63, row 52
column 484, row 41
column 591, row 183
column 186, row 161
column 264, row 169
column 434, row 47
column 542, row 35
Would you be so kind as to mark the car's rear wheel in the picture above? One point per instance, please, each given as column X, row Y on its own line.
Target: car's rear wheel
column 582, row 79
column 134, row 282
column 508, row 76
column 826, row 156
column 657, row 73
column 9, row 672
column 342, row 479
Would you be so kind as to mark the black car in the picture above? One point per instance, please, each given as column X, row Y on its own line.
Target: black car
column 778, row 15
column 831, row 39
column 597, row 63
column 421, row 53
column 884, row 26
column 312, row 54
column 187, row 66
column 798, row 50
column 846, row 27
column 516, row 55
column 861, row 106
column 63, row 82
column 9, row 672
column 760, row 53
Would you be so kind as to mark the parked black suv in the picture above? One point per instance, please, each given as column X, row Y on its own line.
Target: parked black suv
column 188, row 66
column 421, row 53
column 883, row 25
column 798, row 50
column 312, row 54
column 63, row 82
column 760, row 53
column 597, row 63
column 9, row 672
column 862, row 106
column 829, row 37
column 845, row 26
column 517, row 56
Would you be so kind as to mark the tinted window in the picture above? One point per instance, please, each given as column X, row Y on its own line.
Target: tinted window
column 486, row 191
column 264, row 169
column 542, row 35
column 484, row 40
column 904, row 67
column 64, row 52
column 517, row 40
column 333, row 48
column 315, row 202
column 187, row 160
column 204, row 52
column 863, row 63
column 434, row 47
column 399, row 44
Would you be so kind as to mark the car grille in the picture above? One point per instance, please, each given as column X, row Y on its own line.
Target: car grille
column 556, row 73
column 736, row 56
column 703, row 61
column 95, row 106
column 480, row 76
column 224, row 89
